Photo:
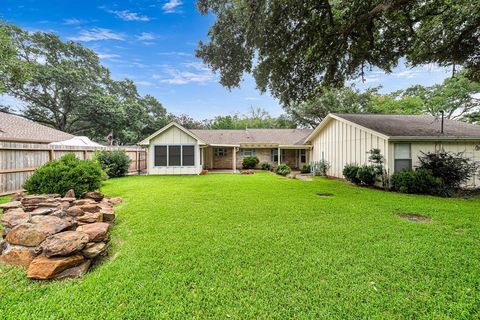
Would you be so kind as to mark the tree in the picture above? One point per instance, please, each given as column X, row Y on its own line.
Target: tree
column 292, row 47
column 344, row 100
column 255, row 118
column 10, row 66
column 68, row 89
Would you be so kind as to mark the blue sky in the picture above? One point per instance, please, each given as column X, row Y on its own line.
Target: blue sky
column 152, row 42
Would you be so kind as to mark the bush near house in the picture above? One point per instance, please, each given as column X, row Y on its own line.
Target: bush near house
column 320, row 168
column 266, row 166
column 305, row 168
column 364, row 175
column 439, row 173
column 283, row 169
column 250, row 162
column 114, row 162
column 66, row 173
column 350, row 173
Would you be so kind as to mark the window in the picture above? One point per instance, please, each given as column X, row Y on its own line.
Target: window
column 188, row 156
column 303, row 156
column 160, row 156
column 247, row 152
column 174, row 156
column 274, row 155
column 403, row 158
column 220, row 152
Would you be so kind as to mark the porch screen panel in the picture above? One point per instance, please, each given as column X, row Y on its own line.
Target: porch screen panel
column 160, row 156
column 174, row 156
column 188, row 155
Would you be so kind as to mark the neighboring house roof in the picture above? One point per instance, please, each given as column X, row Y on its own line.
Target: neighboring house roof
column 15, row 128
column 407, row 127
column 236, row 137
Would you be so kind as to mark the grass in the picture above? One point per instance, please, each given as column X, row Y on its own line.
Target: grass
column 262, row 246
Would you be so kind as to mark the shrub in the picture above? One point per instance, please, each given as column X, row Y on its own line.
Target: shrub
column 66, row 173
column 250, row 162
column 305, row 169
column 115, row 163
column 266, row 166
column 283, row 169
column 350, row 172
column 420, row 181
column 452, row 168
column 367, row 175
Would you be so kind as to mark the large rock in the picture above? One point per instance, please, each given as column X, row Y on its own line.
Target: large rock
column 93, row 249
column 75, row 211
column 94, row 195
column 90, row 207
column 75, row 272
column 115, row 200
column 17, row 196
column 96, row 231
column 33, row 200
column 18, row 256
column 43, row 267
column 64, row 243
column 90, row 217
column 31, row 234
column 70, row 194
column 11, row 205
column 14, row 217
column 41, row 211
column 82, row 202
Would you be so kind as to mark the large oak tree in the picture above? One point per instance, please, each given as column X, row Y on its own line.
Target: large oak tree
column 294, row 47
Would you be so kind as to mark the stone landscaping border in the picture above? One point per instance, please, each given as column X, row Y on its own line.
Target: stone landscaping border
column 56, row 237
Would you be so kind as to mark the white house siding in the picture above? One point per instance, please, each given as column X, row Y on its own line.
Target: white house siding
column 173, row 136
column 471, row 149
column 342, row 143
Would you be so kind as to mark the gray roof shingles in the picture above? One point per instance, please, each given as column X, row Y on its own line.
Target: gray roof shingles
column 15, row 128
column 413, row 125
column 235, row 137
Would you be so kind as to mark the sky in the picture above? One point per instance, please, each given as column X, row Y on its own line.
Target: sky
column 152, row 42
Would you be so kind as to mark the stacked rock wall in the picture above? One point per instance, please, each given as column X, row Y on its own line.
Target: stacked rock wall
column 55, row 237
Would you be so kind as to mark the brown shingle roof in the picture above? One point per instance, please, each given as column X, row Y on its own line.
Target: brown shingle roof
column 15, row 128
column 413, row 125
column 274, row 136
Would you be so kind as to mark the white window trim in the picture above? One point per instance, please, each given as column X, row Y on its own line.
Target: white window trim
column 181, row 155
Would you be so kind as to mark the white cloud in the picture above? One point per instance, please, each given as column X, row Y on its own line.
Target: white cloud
column 97, row 34
column 107, row 55
column 251, row 98
column 172, row 6
column 126, row 15
column 175, row 53
column 194, row 73
column 145, row 36
column 72, row 22
column 145, row 83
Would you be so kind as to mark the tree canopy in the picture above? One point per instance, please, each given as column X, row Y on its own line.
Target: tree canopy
column 293, row 47
column 255, row 118
column 68, row 89
column 10, row 66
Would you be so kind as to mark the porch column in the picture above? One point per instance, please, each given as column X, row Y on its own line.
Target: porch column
column 234, row 157
column 279, row 156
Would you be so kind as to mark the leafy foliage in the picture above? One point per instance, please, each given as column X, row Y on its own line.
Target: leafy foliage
column 114, row 162
column 283, row 169
column 250, row 162
column 68, row 89
column 377, row 160
column 453, row 168
column 266, row 166
column 320, row 168
column 255, row 118
column 66, row 173
column 350, row 172
column 292, row 47
column 420, row 181
column 305, row 169
column 10, row 67
column 365, row 174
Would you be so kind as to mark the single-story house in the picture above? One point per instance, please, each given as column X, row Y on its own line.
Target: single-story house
column 176, row 150
column 346, row 138
column 338, row 139
column 17, row 129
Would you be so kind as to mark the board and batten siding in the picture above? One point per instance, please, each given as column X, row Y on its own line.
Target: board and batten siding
column 341, row 143
column 173, row 136
column 470, row 149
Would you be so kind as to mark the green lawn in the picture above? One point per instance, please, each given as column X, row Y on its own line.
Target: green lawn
column 262, row 246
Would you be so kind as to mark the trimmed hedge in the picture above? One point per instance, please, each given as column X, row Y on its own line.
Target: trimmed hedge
column 114, row 162
column 250, row 162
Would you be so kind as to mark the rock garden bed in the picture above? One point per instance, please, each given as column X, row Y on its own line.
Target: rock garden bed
column 56, row 237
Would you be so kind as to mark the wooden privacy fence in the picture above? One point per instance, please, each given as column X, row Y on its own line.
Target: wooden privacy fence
column 19, row 160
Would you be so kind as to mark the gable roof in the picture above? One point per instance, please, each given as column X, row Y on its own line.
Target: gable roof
column 15, row 128
column 406, row 127
column 236, row 137
column 146, row 141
